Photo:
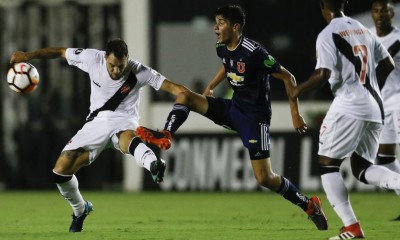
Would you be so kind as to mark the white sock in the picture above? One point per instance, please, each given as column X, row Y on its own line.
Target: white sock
column 338, row 197
column 395, row 167
column 71, row 193
column 382, row 177
column 144, row 156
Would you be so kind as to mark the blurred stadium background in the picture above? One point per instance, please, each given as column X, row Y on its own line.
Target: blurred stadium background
column 176, row 38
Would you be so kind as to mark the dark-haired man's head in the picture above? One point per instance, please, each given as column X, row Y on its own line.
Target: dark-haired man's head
column 116, row 58
column 382, row 13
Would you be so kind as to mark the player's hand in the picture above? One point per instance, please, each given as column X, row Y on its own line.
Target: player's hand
column 299, row 124
column 208, row 92
column 18, row 56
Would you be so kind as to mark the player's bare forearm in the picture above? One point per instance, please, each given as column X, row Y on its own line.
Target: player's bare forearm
column 298, row 122
column 290, row 85
column 318, row 78
column 289, row 81
column 219, row 77
column 44, row 53
column 173, row 88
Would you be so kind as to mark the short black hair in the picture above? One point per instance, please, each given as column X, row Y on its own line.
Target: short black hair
column 334, row 5
column 118, row 47
column 390, row 2
column 233, row 13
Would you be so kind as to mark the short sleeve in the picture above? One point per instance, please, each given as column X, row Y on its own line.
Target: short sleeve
column 149, row 76
column 326, row 52
column 380, row 52
column 82, row 58
column 266, row 61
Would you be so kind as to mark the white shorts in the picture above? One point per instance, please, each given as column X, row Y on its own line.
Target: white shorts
column 391, row 130
column 100, row 133
column 341, row 135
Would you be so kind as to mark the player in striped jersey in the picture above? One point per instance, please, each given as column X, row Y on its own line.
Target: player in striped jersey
column 356, row 65
column 249, row 68
column 115, row 82
column 382, row 12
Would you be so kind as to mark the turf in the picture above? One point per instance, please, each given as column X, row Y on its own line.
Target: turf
column 158, row 215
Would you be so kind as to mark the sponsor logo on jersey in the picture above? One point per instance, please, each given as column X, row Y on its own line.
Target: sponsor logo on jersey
column 231, row 62
column 253, row 141
column 241, row 67
column 78, row 51
column 235, row 79
column 270, row 61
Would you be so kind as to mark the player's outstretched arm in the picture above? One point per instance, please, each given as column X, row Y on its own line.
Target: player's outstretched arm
column 173, row 88
column 221, row 75
column 290, row 83
column 47, row 53
column 318, row 78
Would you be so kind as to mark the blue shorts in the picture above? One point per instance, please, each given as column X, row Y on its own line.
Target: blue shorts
column 252, row 128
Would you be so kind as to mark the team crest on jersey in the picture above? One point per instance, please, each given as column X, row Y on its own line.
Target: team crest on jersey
column 241, row 67
column 125, row 88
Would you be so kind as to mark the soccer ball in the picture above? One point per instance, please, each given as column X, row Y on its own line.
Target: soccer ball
column 23, row 77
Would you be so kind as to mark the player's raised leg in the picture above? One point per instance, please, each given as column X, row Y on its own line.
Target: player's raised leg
column 186, row 101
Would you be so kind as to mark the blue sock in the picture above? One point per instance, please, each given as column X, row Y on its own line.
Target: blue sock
column 291, row 193
column 176, row 117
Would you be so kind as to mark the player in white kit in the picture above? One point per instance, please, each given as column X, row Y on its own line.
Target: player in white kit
column 382, row 12
column 116, row 82
column 356, row 65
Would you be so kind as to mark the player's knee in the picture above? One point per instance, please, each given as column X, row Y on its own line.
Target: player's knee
column 71, row 161
column 267, row 180
column 358, row 167
column 184, row 97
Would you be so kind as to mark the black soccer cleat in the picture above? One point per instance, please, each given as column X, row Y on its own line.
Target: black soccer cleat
column 157, row 169
column 396, row 218
column 316, row 214
column 77, row 222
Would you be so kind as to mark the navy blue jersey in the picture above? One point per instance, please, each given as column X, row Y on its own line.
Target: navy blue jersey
column 247, row 70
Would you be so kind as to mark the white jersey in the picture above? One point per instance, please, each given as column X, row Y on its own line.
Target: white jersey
column 351, row 52
column 391, row 89
column 103, row 87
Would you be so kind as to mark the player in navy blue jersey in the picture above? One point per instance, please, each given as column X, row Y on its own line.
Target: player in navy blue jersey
column 248, row 68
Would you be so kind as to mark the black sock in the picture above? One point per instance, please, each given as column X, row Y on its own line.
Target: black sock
column 291, row 193
column 385, row 159
column 134, row 143
column 176, row 117
column 61, row 178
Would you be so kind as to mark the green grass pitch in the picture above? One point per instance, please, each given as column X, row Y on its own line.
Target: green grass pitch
column 160, row 215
